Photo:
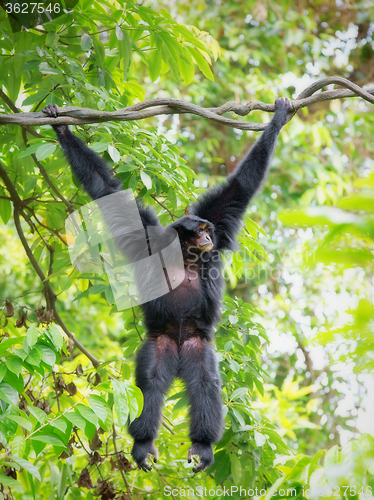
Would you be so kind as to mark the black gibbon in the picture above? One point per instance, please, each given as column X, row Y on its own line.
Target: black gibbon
column 180, row 323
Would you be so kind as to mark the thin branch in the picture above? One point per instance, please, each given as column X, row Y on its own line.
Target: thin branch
column 14, row 108
column 42, row 170
column 47, row 179
column 17, row 203
column 128, row 487
column 71, row 115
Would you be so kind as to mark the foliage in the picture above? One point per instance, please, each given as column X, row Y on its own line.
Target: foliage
column 63, row 416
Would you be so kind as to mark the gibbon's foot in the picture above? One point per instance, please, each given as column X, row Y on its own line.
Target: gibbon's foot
column 53, row 111
column 140, row 452
column 205, row 453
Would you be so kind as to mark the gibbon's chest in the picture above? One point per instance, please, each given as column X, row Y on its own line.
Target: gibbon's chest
column 189, row 279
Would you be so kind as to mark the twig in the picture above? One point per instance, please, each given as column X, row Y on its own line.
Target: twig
column 42, row 170
column 14, row 108
column 168, row 427
column 128, row 487
column 136, row 326
column 71, row 115
column 17, row 203
column 48, row 180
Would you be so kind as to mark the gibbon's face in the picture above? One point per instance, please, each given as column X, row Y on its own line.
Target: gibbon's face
column 204, row 238
column 201, row 239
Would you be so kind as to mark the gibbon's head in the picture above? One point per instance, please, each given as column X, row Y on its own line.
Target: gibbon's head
column 195, row 234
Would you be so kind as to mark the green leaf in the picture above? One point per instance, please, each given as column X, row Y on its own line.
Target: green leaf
column 14, row 364
column 332, row 457
column 252, row 228
column 86, row 42
column 48, row 439
column 30, row 150
column 23, row 422
column 27, row 466
column 18, row 446
column 46, row 69
column 34, row 356
column 39, row 414
column 126, row 45
column 236, row 468
column 56, row 336
column 8, row 394
column 32, row 336
column 30, row 184
column 30, row 65
column 120, row 402
column 154, row 65
column 5, row 344
column 135, row 401
column 202, row 63
column 186, row 67
column 274, row 488
column 259, row 439
column 238, row 393
column 76, row 419
column 45, row 150
column 233, row 319
column 114, row 154
column 99, row 147
column 32, row 99
column 5, row 210
column 147, row 181
column 188, row 35
column 51, row 39
column 3, row 370
column 9, row 481
column 87, row 414
column 48, row 356
column 99, row 406
column 16, row 381
column 234, row 366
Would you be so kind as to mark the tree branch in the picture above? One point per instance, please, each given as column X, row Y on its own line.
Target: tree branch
column 71, row 115
column 49, row 293
column 14, row 108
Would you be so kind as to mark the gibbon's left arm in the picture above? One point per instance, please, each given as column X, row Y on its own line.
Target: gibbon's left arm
column 91, row 170
column 226, row 204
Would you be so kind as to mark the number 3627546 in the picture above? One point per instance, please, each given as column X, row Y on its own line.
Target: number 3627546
column 30, row 7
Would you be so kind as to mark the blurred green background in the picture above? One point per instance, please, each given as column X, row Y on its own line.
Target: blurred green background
column 296, row 340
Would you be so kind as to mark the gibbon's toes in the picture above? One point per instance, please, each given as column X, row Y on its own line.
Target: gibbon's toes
column 142, row 451
column 199, row 468
column 145, row 466
column 204, row 452
column 51, row 110
column 154, row 451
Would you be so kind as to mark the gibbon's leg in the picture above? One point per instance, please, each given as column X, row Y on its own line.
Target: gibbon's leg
column 198, row 367
column 156, row 366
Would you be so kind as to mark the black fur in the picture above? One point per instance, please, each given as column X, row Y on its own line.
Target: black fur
column 180, row 323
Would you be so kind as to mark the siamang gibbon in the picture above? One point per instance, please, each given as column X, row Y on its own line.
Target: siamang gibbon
column 180, row 323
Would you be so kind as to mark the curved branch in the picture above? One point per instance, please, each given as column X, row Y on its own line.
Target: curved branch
column 70, row 115
column 18, row 203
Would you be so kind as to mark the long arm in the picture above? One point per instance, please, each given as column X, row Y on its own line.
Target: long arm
column 91, row 169
column 225, row 205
